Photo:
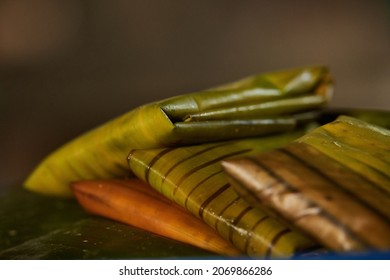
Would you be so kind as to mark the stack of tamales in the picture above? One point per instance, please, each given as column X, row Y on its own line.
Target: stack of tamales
column 333, row 184
column 235, row 169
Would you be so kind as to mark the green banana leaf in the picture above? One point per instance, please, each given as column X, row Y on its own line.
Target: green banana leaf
column 39, row 227
column 332, row 183
column 193, row 177
column 360, row 146
column 259, row 105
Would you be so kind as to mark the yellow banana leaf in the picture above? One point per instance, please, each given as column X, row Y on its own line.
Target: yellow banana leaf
column 259, row 105
column 333, row 183
column 193, row 177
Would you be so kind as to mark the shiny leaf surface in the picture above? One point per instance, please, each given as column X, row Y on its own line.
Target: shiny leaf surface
column 38, row 227
column 332, row 183
column 193, row 177
column 258, row 105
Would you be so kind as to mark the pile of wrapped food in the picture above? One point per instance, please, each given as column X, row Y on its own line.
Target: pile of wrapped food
column 248, row 168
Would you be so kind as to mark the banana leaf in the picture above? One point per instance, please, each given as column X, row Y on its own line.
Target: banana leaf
column 137, row 204
column 34, row 227
column 193, row 177
column 332, row 183
column 258, row 105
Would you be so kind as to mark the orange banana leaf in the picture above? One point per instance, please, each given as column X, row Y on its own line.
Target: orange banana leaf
column 135, row 203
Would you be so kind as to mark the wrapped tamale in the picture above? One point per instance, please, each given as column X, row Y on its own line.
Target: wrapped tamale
column 258, row 105
column 332, row 183
column 193, row 177
column 134, row 203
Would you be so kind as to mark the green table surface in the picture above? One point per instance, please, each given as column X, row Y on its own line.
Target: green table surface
column 38, row 227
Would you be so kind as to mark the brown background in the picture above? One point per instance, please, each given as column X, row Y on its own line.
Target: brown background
column 67, row 66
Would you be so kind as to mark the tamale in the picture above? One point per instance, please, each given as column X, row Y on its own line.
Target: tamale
column 134, row 203
column 332, row 183
column 258, row 105
column 192, row 177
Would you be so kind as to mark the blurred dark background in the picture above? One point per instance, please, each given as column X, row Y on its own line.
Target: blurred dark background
column 67, row 66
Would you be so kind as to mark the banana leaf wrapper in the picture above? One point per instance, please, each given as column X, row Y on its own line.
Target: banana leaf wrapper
column 192, row 177
column 258, row 105
column 333, row 184
column 134, row 203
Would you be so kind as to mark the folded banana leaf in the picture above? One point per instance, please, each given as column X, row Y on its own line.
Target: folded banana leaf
column 193, row 177
column 333, row 184
column 259, row 105
column 134, row 203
